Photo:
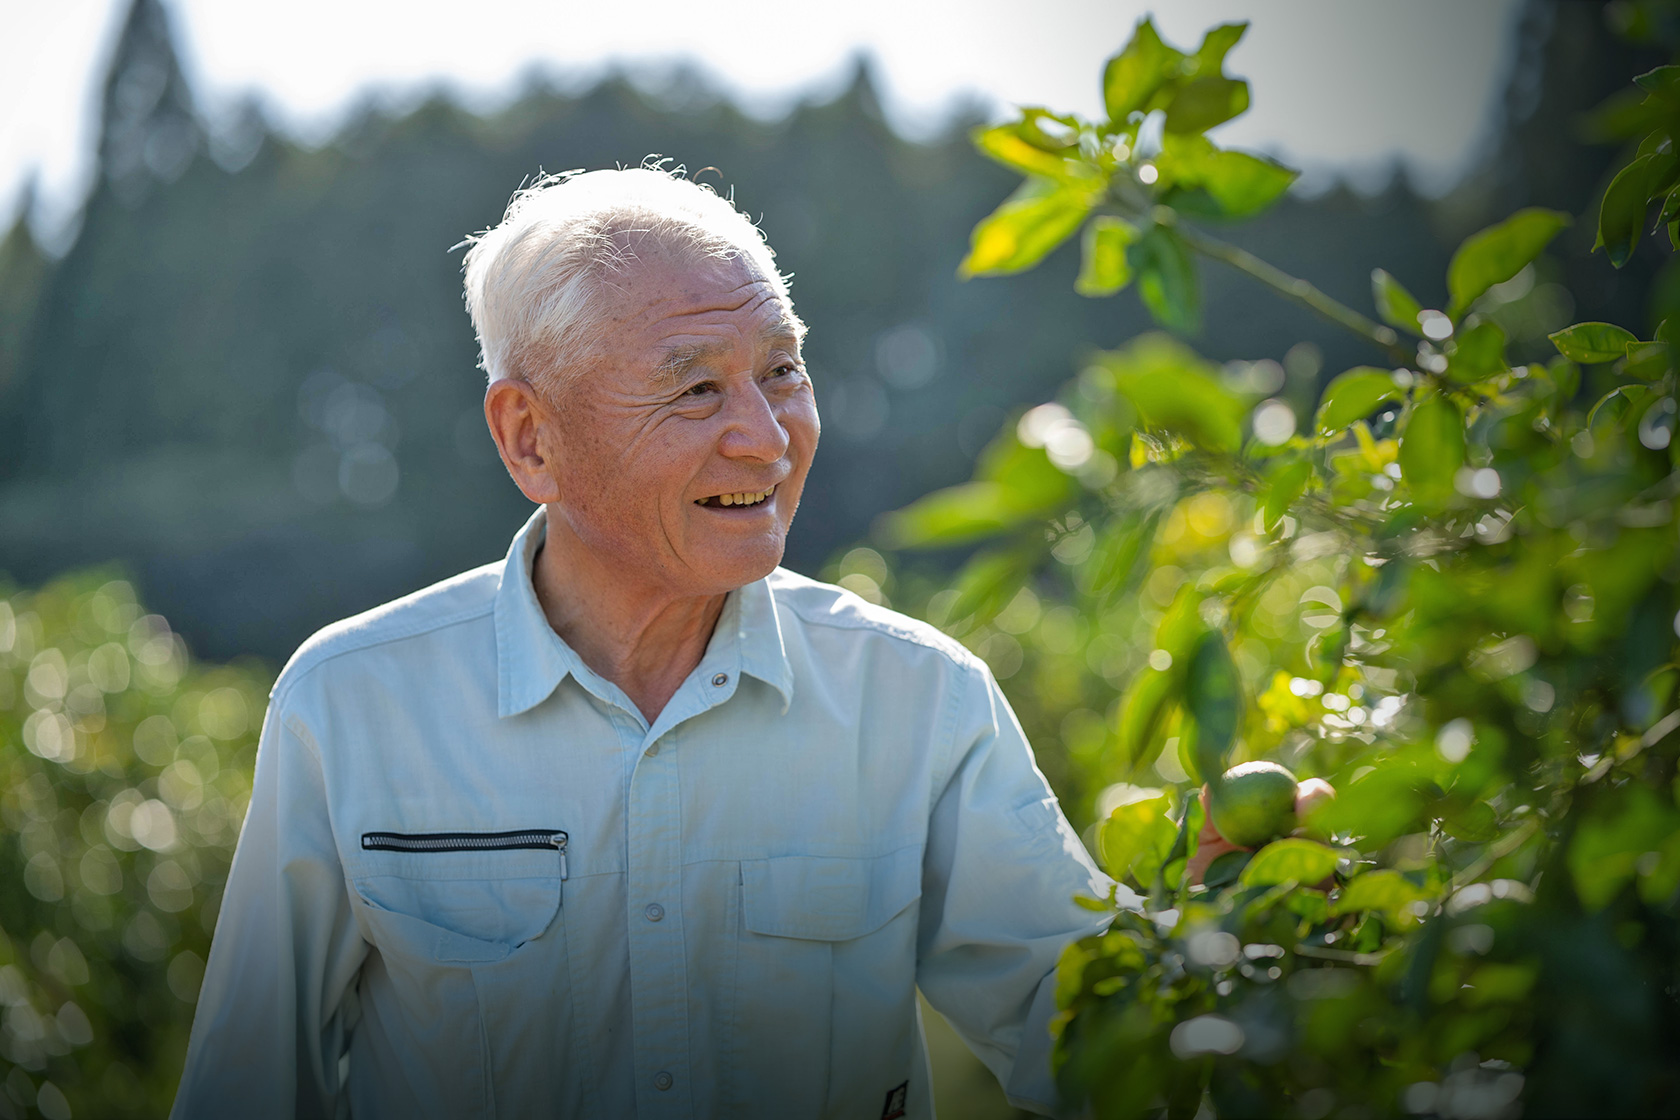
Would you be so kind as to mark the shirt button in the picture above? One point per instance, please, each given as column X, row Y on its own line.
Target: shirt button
column 721, row 679
column 663, row 1081
column 653, row 750
column 654, row 912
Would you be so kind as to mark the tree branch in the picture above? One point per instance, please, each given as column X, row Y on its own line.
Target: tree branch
column 1293, row 288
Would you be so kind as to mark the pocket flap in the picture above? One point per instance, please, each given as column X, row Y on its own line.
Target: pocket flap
column 822, row 898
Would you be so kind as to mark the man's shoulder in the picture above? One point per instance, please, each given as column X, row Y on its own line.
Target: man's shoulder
column 824, row 605
column 459, row 600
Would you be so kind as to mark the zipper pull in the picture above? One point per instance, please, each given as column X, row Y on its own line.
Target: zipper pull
column 559, row 840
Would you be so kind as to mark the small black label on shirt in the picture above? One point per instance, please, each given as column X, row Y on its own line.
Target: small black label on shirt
column 894, row 1108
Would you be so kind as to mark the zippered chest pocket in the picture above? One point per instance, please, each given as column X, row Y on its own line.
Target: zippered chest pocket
column 458, row 895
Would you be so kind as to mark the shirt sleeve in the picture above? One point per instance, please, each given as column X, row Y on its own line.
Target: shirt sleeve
column 271, row 1020
column 1001, row 869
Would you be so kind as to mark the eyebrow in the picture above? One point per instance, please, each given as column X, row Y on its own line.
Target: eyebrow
column 679, row 360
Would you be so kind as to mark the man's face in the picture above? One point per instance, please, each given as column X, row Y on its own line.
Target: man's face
column 699, row 395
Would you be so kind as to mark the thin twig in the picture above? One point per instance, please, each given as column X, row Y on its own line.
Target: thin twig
column 1293, row 288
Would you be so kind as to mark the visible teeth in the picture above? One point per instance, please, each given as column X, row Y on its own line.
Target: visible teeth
column 744, row 499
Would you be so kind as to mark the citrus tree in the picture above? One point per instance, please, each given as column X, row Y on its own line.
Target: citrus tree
column 1448, row 586
column 125, row 770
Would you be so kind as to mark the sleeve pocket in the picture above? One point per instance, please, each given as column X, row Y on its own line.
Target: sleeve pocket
column 821, row 898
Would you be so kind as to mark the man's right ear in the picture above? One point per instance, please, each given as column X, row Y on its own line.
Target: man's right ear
column 517, row 418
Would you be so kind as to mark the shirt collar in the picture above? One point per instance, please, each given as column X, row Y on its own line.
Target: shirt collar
column 532, row 659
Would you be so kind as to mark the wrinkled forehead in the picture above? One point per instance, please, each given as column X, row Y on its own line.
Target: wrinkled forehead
column 662, row 294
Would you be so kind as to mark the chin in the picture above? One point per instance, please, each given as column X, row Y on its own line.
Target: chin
column 740, row 567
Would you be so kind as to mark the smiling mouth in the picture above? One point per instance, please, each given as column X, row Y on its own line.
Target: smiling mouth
column 752, row 498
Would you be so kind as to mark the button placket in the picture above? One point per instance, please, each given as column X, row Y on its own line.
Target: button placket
column 658, row 965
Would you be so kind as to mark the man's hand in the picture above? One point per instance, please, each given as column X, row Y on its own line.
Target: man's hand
column 1210, row 845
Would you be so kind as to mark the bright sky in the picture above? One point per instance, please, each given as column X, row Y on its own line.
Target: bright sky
column 1340, row 86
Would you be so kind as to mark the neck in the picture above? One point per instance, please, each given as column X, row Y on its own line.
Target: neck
column 641, row 637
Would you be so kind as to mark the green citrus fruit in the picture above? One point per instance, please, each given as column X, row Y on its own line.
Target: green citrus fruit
column 1254, row 803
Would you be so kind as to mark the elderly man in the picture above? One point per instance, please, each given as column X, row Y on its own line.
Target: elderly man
column 635, row 823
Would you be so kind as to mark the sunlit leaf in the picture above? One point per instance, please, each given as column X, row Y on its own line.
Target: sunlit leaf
column 1291, row 859
column 1432, row 451
column 1216, row 44
column 1141, row 707
column 957, row 514
column 1133, row 76
column 1136, row 837
column 1121, row 552
column 1498, row 253
column 1007, row 146
column 1287, row 484
column 1167, row 280
column 1104, row 269
column 1202, row 103
column 1213, row 695
column 1621, row 216
column 1593, row 342
column 1386, row 891
column 1354, row 395
column 1175, row 391
column 1395, row 305
column 1477, row 353
column 1039, row 216
column 1243, row 185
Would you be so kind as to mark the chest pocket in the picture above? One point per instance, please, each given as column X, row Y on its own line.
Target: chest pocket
column 822, row 899
column 458, row 896
column 465, row 927
column 826, row 983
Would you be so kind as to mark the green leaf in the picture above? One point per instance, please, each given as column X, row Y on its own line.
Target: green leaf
column 1592, row 342
column 1175, row 391
column 1498, row 253
column 1136, row 837
column 1662, row 83
column 1008, row 146
column 1216, row 44
column 1387, row 892
column 1648, row 360
column 988, row 582
column 1204, row 102
column 1288, row 483
column 954, row 515
column 1243, row 185
column 1039, row 216
column 1354, row 395
column 1395, row 305
column 1225, row 869
column 1121, row 553
column 1167, row 280
column 1291, row 859
column 1617, row 830
column 1133, row 76
column 1477, row 353
column 1142, row 706
column 1213, row 694
column 1104, row 269
column 1621, row 216
column 1432, row 450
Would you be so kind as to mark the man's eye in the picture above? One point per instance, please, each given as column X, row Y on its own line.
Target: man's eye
column 786, row 369
column 700, row 389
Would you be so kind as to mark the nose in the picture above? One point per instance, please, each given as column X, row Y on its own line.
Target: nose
column 752, row 428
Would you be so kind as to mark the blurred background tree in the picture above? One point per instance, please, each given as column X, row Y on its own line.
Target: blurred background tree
column 248, row 382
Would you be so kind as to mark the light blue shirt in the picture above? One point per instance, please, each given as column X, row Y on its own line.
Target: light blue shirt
column 474, row 881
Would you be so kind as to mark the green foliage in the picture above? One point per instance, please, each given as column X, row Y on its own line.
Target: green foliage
column 1130, row 188
column 1454, row 597
column 125, row 770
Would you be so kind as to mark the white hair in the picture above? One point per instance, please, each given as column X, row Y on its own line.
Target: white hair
column 532, row 281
